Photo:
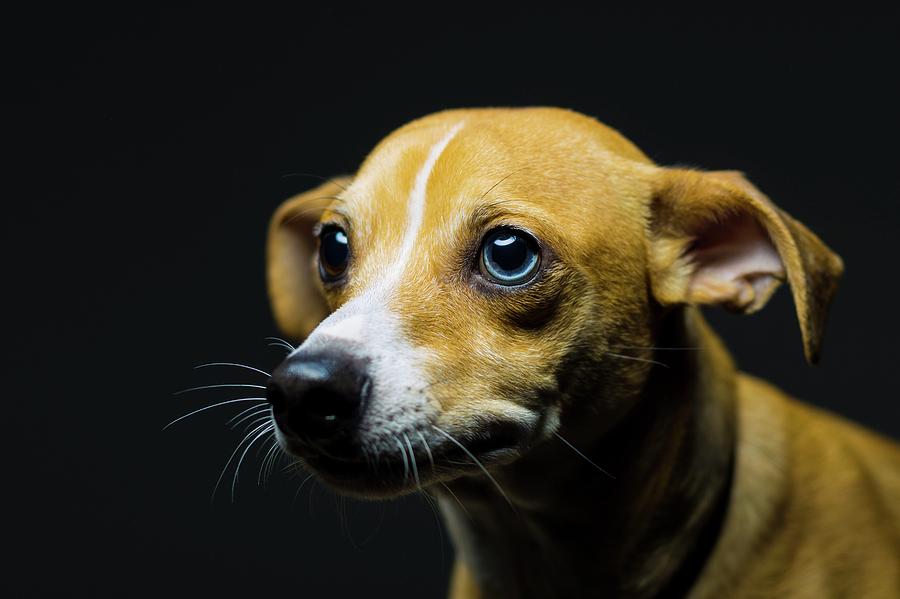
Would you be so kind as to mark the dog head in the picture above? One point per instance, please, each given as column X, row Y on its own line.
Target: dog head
column 486, row 269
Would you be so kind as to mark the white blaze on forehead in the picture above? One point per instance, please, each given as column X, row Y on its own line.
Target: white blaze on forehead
column 349, row 322
column 365, row 326
column 416, row 209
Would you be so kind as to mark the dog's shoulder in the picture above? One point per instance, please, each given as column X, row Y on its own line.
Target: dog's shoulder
column 820, row 448
column 815, row 508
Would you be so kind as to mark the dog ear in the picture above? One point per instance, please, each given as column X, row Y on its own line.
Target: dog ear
column 297, row 301
column 716, row 239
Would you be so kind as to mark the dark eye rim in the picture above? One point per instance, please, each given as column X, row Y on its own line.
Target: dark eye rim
column 497, row 284
column 328, row 278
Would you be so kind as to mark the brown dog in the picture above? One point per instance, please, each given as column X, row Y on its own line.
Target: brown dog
column 491, row 315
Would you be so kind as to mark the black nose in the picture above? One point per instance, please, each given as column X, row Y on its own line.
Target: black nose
column 318, row 398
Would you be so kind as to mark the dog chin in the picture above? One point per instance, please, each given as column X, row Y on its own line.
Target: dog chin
column 389, row 479
column 363, row 480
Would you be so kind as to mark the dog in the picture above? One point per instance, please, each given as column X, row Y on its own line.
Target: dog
column 502, row 307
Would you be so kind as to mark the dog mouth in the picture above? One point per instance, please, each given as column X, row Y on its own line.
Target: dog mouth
column 411, row 461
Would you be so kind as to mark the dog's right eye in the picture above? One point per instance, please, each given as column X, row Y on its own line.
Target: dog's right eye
column 334, row 253
column 509, row 257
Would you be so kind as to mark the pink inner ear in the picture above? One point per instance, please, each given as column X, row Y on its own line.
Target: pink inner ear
column 735, row 264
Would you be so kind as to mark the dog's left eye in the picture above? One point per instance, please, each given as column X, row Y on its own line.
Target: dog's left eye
column 509, row 256
column 334, row 253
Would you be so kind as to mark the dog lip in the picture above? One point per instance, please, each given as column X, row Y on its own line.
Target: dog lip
column 362, row 479
column 493, row 443
column 344, row 468
column 497, row 437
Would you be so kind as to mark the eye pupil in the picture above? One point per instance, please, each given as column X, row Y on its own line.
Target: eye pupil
column 334, row 253
column 509, row 257
column 509, row 253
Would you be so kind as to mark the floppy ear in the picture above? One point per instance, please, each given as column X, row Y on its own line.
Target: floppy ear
column 716, row 239
column 292, row 279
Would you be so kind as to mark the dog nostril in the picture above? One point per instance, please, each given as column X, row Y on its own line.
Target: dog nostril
column 276, row 398
column 323, row 410
column 329, row 405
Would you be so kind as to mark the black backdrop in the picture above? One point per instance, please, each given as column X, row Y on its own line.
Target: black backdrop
column 145, row 153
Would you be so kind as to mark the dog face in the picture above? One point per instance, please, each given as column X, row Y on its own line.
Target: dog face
column 484, row 271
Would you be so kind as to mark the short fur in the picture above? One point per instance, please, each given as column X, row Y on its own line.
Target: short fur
column 721, row 485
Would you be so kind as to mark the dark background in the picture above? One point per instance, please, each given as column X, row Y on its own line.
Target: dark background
column 146, row 151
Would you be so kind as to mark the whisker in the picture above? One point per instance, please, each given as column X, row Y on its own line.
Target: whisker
column 269, row 454
column 405, row 461
column 255, row 422
column 237, row 469
column 300, row 488
column 259, row 450
column 589, row 460
column 335, row 198
column 216, row 405
column 635, row 358
column 263, row 462
column 231, row 458
column 437, row 519
column 232, row 364
column 260, row 410
column 297, row 464
column 477, row 462
column 452, row 494
column 427, row 449
column 415, row 467
column 278, row 454
column 282, row 341
column 492, row 187
column 217, row 387
column 307, row 211
column 377, row 528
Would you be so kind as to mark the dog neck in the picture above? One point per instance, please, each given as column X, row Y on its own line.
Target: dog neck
column 643, row 531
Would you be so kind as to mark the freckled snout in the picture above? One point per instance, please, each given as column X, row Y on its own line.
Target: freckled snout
column 319, row 398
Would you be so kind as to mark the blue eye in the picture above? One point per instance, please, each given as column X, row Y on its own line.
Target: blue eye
column 509, row 257
column 334, row 253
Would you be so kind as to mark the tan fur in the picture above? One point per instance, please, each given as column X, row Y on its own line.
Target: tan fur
column 814, row 506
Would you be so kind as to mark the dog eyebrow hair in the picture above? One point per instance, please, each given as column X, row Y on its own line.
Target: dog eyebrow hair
column 493, row 211
column 345, row 222
column 340, row 213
